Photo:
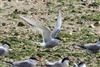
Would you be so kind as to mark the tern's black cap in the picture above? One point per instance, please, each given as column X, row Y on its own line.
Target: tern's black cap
column 66, row 58
column 81, row 63
column 4, row 42
column 33, row 58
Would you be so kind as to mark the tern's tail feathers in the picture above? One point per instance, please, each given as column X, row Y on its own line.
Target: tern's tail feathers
column 82, row 46
column 9, row 62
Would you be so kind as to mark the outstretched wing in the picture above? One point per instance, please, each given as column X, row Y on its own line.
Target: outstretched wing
column 57, row 27
column 30, row 22
column 45, row 31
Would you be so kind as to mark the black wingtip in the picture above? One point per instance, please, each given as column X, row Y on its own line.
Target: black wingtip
column 33, row 58
column 82, row 46
column 58, row 38
column 9, row 62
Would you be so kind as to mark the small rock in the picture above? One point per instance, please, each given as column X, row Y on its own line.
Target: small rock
column 3, row 24
column 20, row 24
column 9, row 0
column 80, row 22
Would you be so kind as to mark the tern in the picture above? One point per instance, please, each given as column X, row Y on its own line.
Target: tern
column 61, row 63
column 31, row 62
column 49, row 38
column 4, row 48
column 93, row 48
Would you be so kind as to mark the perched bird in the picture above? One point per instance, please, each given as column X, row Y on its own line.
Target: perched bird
column 49, row 38
column 61, row 63
column 81, row 64
column 4, row 48
column 31, row 62
column 94, row 48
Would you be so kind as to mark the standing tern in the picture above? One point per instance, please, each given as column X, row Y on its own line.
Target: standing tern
column 61, row 63
column 31, row 62
column 49, row 38
column 4, row 48
column 92, row 48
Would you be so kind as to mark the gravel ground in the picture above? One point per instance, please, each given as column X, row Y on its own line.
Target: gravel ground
column 81, row 25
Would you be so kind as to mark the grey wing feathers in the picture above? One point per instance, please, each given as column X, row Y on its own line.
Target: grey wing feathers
column 93, row 48
column 46, row 34
column 2, row 52
column 55, row 65
column 45, row 31
column 57, row 25
column 49, row 65
column 59, row 21
column 25, row 64
column 30, row 22
column 98, row 43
